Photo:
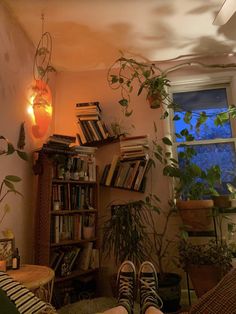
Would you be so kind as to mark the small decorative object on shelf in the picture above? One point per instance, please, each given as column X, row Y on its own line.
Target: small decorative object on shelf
column 16, row 259
column 3, row 265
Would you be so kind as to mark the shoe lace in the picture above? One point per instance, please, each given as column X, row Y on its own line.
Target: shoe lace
column 149, row 293
column 125, row 288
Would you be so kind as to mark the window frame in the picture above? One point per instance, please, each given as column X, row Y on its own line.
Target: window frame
column 197, row 85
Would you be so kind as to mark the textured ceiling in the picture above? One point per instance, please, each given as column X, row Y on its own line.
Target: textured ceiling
column 88, row 34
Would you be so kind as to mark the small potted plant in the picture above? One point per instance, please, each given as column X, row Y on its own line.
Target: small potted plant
column 210, row 261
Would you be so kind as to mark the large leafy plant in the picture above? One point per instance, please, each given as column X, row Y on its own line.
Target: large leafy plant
column 9, row 182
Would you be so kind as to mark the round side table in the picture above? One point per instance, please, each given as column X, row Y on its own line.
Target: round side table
column 37, row 278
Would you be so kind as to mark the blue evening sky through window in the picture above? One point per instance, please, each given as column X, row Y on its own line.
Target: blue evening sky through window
column 212, row 101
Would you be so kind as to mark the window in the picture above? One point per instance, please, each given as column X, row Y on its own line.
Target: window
column 214, row 145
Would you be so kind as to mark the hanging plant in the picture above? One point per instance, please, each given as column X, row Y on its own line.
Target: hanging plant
column 125, row 73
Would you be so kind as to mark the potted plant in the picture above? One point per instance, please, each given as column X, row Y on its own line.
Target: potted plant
column 161, row 250
column 125, row 73
column 194, row 186
column 124, row 235
column 205, row 264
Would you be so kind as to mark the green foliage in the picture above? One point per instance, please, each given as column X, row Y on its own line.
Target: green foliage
column 192, row 181
column 124, row 233
column 212, row 253
column 9, row 181
column 125, row 73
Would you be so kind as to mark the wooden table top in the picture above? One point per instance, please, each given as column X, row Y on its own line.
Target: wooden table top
column 32, row 276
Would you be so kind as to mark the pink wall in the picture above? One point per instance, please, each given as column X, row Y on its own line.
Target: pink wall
column 16, row 78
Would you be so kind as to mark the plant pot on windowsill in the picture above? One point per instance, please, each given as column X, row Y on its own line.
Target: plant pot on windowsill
column 196, row 214
column 222, row 201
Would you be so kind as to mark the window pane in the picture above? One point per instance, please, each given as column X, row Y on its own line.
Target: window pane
column 222, row 154
column 211, row 101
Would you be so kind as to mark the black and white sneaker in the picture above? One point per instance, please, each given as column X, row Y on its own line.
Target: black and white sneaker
column 148, row 286
column 126, row 284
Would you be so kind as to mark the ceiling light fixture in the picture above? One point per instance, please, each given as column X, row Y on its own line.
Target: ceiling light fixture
column 41, row 98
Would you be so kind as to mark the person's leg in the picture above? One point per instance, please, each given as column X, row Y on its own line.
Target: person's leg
column 116, row 310
column 126, row 283
column 150, row 302
column 153, row 310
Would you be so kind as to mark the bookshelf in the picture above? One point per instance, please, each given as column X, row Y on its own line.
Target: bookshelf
column 60, row 238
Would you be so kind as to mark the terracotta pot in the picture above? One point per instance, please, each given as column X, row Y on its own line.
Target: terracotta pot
column 222, row 201
column 204, row 277
column 154, row 100
column 196, row 214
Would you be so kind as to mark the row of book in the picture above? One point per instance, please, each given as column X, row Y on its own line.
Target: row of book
column 91, row 128
column 73, row 196
column 70, row 227
column 128, row 169
column 81, row 167
column 75, row 258
column 128, row 174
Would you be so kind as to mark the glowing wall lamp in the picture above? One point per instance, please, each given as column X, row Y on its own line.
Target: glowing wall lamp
column 40, row 108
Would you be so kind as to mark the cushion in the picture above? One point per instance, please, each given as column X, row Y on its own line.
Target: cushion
column 24, row 300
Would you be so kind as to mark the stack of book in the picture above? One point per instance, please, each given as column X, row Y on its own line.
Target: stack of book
column 59, row 141
column 91, row 128
column 134, row 147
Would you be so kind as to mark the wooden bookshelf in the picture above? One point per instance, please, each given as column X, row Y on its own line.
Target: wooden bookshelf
column 59, row 233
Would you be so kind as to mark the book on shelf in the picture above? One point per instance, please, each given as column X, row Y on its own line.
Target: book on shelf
column 89, row 117
column 87, row 150
column 88, row 104
column 122, row 174
column 144, row 167
column 94, row 260
column 133, row 174
column 80, row 135
column 85, row 256
column 58, row 260
column 102, row 129
column 104, row 174
column 96, row 135
column 70, row 256
column 114, row 164
column 134, row 140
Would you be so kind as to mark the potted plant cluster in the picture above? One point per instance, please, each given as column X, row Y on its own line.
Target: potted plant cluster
column 193, row 184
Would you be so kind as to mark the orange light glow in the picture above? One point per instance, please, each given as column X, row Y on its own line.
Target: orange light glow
column 40, row 109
